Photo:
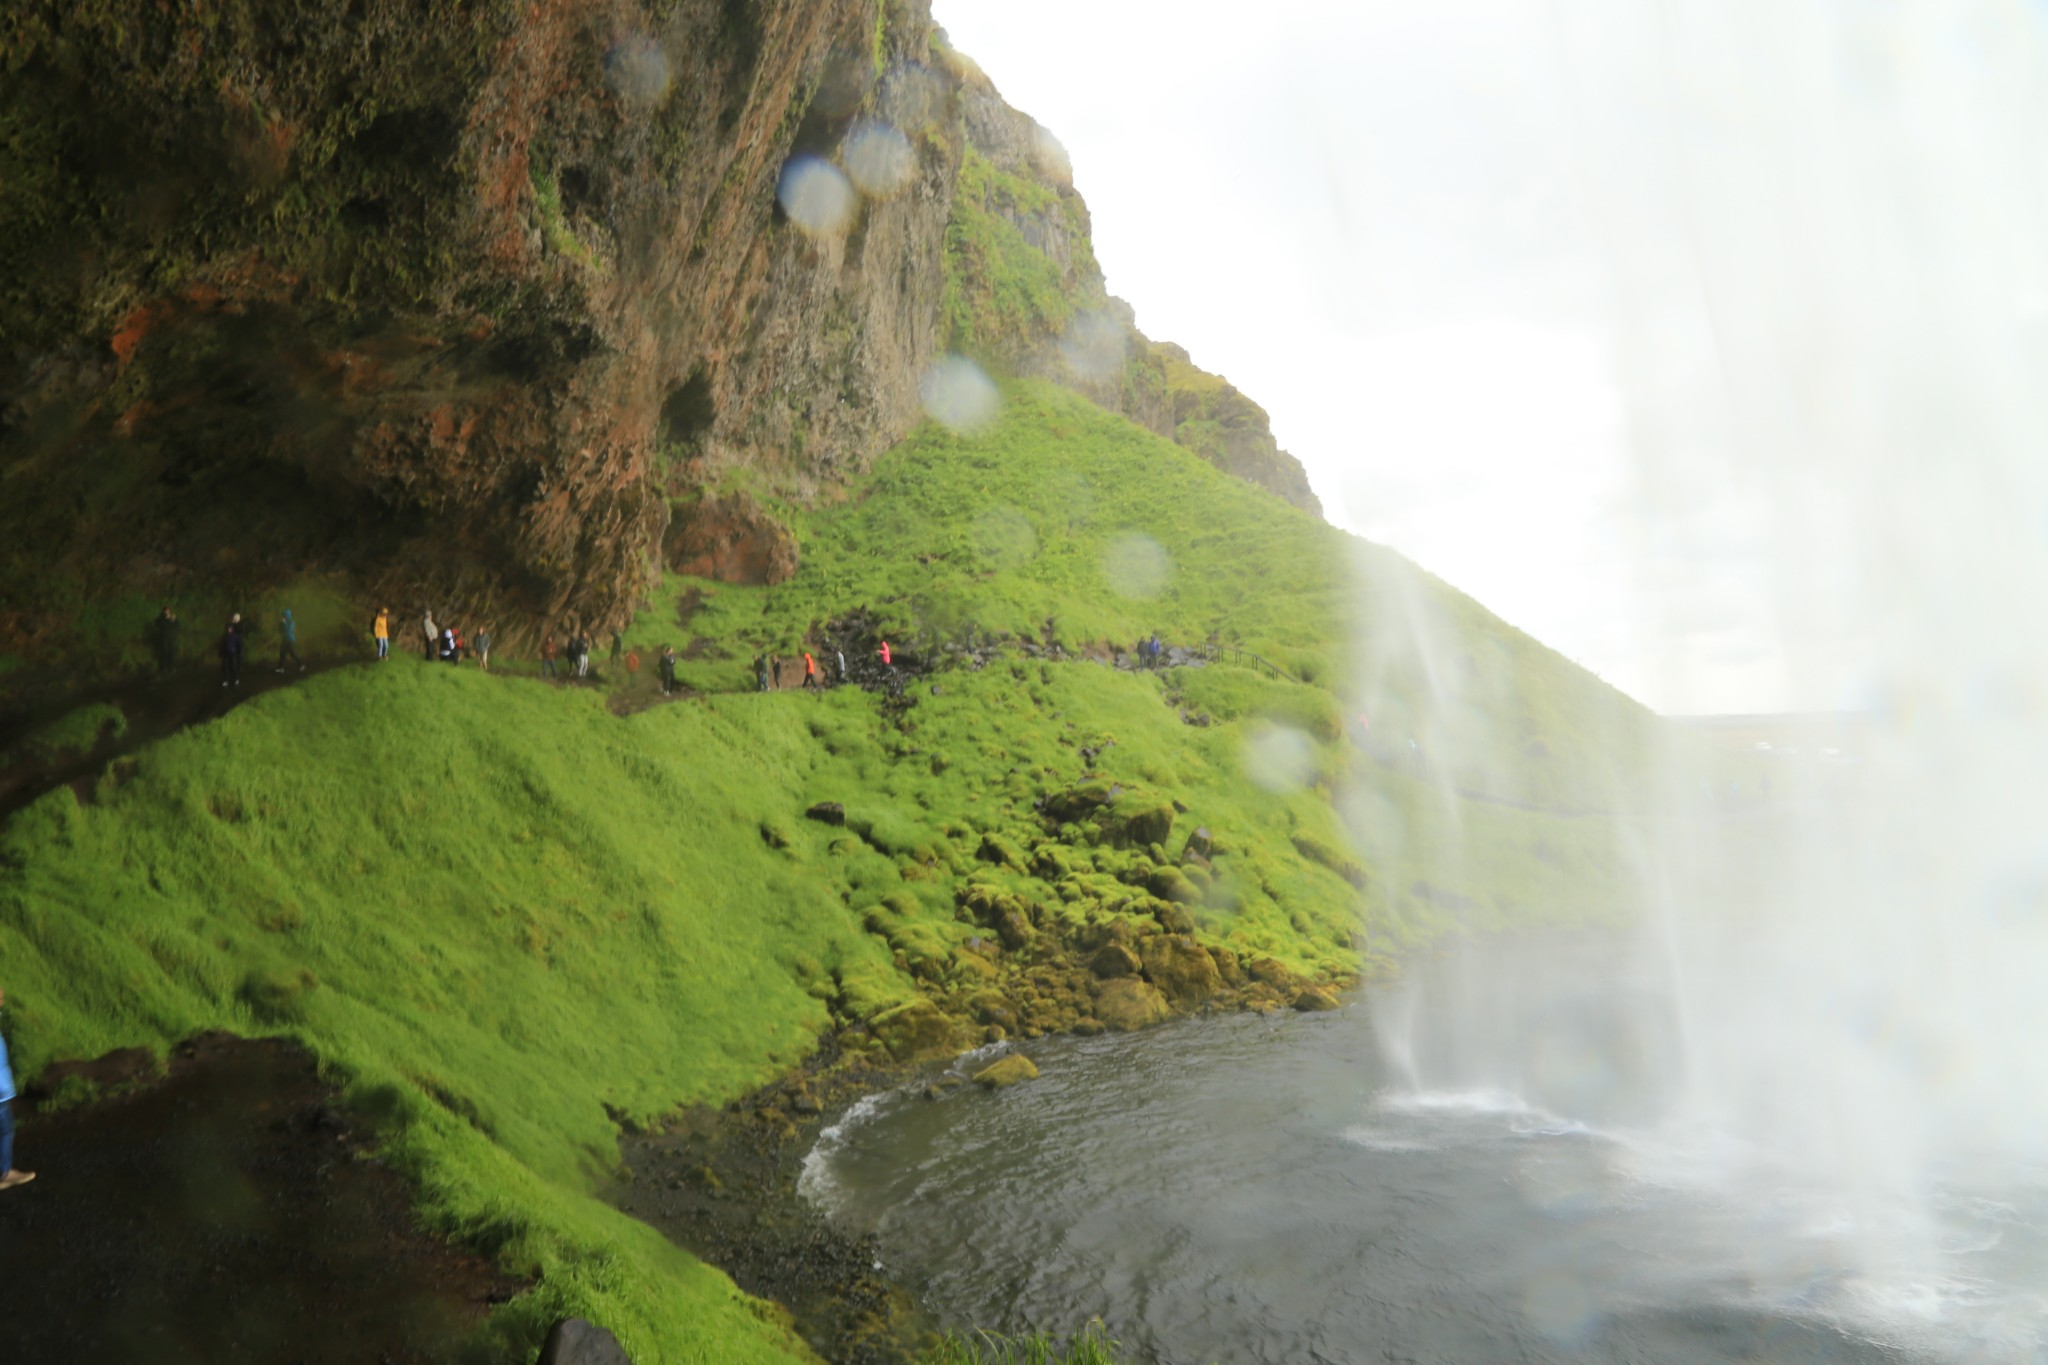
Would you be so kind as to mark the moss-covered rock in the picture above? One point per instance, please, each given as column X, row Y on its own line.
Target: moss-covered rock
column 1314, row 1000
column 1113, row 960
column 1148, row 824
column 1181, row 968
column 1006, row 1071
column 918, row 1031
column 1170, row 884
column 1127, row 1003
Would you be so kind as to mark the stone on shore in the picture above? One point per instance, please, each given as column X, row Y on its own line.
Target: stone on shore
column 1125, row 1004
column 1181, row 968
column 1006, row 1071
column 574, row 1341
column 917, row 1031
column 1314, row 1000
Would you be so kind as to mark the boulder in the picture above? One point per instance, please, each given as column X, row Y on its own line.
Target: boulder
column 1170, row 884
column 574, row 1341
column 1126, row 1003
column 731, row 538
column 1180, row 967
column 1200, row 845
column 1149, row 825
column 1227, row 966
column 1112, row 960
column 1314, row 1000
column 1272, row 972
column 828, row 813
column 1006, row 1071
column 917, row 1031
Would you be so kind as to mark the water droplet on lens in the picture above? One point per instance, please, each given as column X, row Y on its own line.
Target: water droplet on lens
column 637, row 71
column 1279, row 758
column 816, row 195
column 1094, row 346
column 957, row 395
column 879, row 159
column 1137, row 566
column 1050, row 156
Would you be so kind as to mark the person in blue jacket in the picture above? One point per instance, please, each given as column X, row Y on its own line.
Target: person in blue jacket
column 288, row 641
column 9, row 1177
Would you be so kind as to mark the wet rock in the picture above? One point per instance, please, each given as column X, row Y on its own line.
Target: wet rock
column 1314, row 1000
column 1006, row 1072
column 1272, row 972
column 731, row 538
column 1181, row 968
column 827, row 813
column 575, row 1341
column 1113, row 960
column 1200, row 844
column 1227, row 966
column 1126, row 1003
column 917, row 1031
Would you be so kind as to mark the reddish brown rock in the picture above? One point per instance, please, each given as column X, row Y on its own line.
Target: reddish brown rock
column 732, row 539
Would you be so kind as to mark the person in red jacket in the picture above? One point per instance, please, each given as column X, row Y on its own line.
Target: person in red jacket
column 811, row 671
column 887, row 660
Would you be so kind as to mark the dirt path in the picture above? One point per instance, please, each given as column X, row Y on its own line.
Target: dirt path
column 155, row 708
column 228, row 1214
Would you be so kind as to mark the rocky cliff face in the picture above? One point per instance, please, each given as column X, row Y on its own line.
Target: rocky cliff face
column 469, row 299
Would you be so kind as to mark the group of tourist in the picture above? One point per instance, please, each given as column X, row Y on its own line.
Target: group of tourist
column 233, row 646
column 444, row 642
column 768, row 668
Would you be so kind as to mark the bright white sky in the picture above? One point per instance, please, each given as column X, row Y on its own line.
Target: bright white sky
column 1444, row 244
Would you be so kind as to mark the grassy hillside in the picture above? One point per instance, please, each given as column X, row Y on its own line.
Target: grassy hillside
column 1066, row 523
column 502, row 914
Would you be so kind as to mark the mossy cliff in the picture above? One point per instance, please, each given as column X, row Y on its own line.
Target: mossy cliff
column 458, row 300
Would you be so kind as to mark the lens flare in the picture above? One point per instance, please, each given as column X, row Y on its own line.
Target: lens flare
column 879, row 159
column 958, row 396
column 817, row 196
column 1137, row 566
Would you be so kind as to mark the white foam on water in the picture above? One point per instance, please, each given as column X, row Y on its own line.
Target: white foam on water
column 816, row 1182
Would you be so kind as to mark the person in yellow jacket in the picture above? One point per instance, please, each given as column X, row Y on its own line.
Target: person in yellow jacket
column 382, row 630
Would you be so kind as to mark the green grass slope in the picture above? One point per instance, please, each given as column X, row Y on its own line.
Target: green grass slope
column 503, row 915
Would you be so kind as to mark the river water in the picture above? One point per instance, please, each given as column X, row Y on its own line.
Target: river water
column 1251, row 1189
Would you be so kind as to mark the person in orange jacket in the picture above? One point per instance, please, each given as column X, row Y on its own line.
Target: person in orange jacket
column 811, row 671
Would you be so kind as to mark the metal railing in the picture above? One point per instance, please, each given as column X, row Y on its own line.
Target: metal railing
column 1229, row 654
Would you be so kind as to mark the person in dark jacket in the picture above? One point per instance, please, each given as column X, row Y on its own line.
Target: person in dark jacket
column 166, row 627
column 666, row 666
column 288, row 641
column 231, row 644
column 9, row 1177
